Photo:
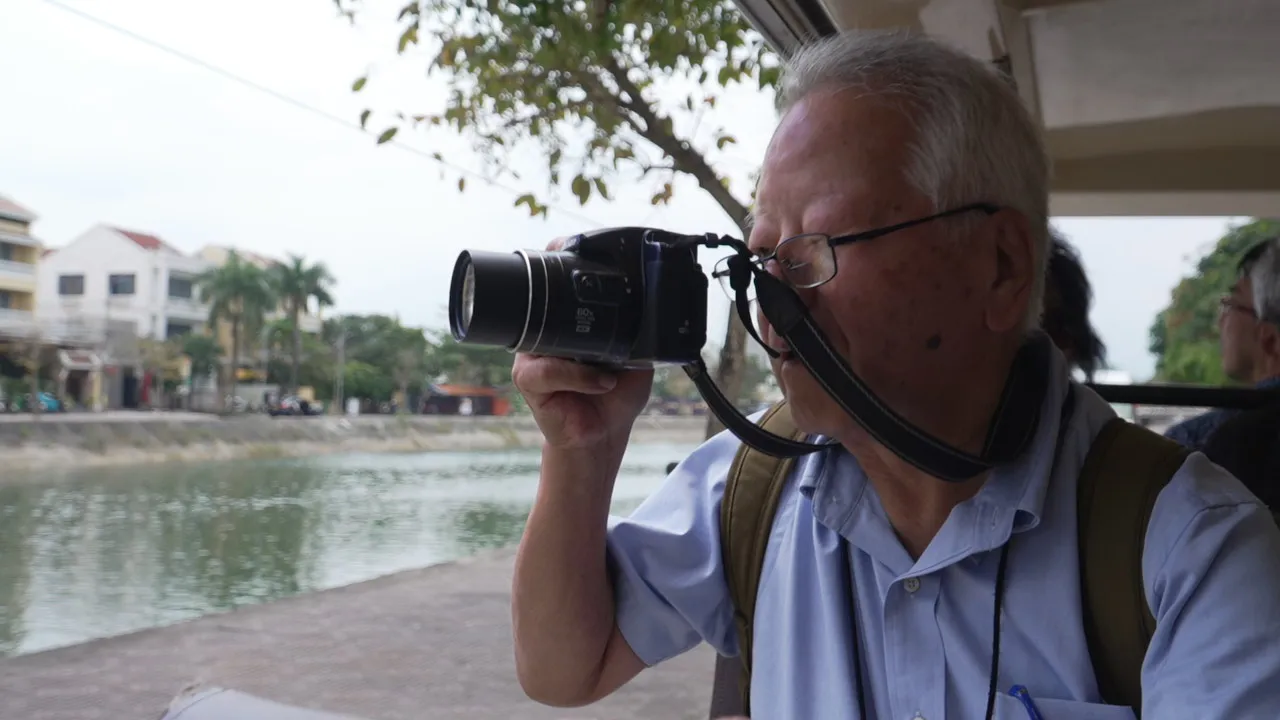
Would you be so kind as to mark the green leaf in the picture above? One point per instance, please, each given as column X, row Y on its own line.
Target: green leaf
column 358, row 85
column 769, row 76
column 462, row 184
column 663, row 197
column 410, row 9
column 724, row 140
column 582, row 188
column 407, row 38
column 387, row 134
column 364, row 119
column 601, row 188
column 437, row 157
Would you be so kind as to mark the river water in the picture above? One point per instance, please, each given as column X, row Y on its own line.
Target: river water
column 99, row 552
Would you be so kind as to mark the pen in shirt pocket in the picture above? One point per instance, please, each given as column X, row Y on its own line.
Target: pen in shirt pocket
column 1020, row 692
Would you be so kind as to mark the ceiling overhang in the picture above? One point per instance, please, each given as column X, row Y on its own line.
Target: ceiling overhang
column 1150, row 107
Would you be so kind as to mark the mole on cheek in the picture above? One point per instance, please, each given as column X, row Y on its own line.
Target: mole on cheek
column 934, row 342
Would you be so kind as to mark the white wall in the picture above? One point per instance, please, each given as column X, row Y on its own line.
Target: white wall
column 101, row 252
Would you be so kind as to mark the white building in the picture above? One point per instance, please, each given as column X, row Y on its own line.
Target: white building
column 118, row 275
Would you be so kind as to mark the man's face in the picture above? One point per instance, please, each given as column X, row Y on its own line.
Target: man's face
column 914, row 312
column 1237, row 326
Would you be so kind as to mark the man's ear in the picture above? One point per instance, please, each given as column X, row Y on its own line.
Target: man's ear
column 1016, row 267
column 1267, row 337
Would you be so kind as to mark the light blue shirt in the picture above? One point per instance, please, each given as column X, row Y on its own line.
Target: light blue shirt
column 1211, row 566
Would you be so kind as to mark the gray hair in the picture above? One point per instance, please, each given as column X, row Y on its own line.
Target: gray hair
column 1264, row 275
column 974, row 139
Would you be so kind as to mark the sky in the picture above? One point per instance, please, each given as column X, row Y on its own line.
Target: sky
column 98, row 126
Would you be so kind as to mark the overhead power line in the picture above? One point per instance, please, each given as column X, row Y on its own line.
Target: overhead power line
column 299, row 104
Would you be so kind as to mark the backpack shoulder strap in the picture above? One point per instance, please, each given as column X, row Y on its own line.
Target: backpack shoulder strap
column 1125, row 471
column 751, row 497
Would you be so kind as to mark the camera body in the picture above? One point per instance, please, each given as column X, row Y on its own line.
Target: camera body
column 626, row 297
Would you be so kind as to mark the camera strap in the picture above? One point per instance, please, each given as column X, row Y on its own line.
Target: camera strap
column 1012, row 427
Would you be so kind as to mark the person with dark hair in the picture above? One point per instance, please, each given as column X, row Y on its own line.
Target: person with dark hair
column 1067, row 297
column 1249, row 333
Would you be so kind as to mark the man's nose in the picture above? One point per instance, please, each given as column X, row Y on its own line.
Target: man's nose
column 774, row 268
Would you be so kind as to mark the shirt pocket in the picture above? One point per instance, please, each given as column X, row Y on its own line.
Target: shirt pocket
column 1011, row 708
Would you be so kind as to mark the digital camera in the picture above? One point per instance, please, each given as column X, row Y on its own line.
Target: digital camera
column 626, row 297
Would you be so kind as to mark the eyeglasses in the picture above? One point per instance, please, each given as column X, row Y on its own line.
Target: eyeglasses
column 1226, row 304
column 809, row 260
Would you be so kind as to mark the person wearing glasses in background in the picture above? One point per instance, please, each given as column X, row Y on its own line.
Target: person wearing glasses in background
column 1249, row 333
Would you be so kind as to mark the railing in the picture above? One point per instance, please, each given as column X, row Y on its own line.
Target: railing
column 13, row 267
column 14, row 238
column 186, row 306
column 17, row 322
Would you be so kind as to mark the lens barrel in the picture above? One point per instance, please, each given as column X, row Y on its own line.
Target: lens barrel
column 490, row 298
column 550, row 303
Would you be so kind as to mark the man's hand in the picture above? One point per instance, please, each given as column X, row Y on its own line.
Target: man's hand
column 576, row 405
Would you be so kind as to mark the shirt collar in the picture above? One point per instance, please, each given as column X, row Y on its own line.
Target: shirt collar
column 1012, row 499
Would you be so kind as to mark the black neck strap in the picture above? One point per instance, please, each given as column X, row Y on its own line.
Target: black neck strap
column 1011, row 430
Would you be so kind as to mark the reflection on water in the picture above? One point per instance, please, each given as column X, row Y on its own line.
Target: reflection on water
column 100, row 552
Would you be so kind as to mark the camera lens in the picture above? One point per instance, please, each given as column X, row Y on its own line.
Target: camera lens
column 550, row 302
column 489, row 298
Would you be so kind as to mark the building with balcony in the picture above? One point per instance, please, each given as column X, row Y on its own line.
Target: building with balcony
column 19, row 259
column 123, row 275
column 103, row 292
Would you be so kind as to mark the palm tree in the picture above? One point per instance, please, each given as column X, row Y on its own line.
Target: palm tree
column 296, row 283
column 240, row 294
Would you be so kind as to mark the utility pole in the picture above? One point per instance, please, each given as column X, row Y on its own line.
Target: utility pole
column 340, row 371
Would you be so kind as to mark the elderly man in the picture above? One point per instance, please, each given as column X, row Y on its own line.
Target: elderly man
column 888, row 593
column 1249, row 340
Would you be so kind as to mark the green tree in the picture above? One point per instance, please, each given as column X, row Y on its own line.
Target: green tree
column 407, row 370
column 239, row 294
column 1184, row 336
column 673, row 384
column 381, row 343
column 204, row 351
column 161, row 359
column 362, row 380
column 317, row 367
column 296, row 284
column 467, row 364
column 583, row 80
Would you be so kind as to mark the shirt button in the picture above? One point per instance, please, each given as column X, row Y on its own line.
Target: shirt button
column 911, row 585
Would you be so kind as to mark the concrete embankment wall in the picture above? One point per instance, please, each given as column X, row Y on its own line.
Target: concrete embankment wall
column 51, row 441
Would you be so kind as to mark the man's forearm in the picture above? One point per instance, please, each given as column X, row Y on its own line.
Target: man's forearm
column 562, row 601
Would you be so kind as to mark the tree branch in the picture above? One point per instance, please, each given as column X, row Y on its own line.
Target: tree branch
column 685, row 158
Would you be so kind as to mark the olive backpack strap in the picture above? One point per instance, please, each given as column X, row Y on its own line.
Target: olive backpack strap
column 1125, row 471
column 751, row 496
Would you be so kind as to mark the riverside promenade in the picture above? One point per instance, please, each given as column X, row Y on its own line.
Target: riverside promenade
column 430, row 643
column 130, row 438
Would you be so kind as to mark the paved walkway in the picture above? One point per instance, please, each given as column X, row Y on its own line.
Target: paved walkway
column 432, row 643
